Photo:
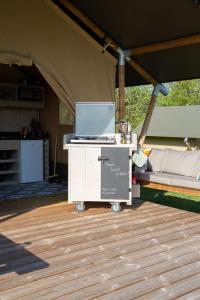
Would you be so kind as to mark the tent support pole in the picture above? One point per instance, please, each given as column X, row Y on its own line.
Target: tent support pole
column 159, row 88
column 103, row 36
column 147, row 120
column 121, row 82
column 171, row 44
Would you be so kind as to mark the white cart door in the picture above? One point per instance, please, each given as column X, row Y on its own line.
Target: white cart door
column 93, row 174
column 31, row 161
column 76, row 174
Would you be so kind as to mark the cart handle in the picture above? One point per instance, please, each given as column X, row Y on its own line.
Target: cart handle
column 103, row 158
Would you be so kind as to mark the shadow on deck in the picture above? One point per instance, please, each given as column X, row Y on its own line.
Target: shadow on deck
column 11, row 252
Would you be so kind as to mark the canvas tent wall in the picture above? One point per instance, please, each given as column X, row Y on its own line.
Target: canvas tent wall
column 170, row 125
column 71, row 61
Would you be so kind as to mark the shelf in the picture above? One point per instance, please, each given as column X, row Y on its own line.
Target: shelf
column 22, row 104
column 9, row 145
column 11, row 160
column 18, row 95
column 8, row 172
column 8, row 182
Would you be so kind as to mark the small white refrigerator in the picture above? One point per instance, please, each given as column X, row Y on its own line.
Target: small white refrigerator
column 31, row 161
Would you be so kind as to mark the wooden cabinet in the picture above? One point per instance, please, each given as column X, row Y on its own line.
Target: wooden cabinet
column 93, row 174
column 99, row 173
column 76, row 176
column 84, row 174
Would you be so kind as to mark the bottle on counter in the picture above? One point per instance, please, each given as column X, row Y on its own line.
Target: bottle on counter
column 129, row 134
column 123, row 129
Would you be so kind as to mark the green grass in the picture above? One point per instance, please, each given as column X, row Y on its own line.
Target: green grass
column 181, row 201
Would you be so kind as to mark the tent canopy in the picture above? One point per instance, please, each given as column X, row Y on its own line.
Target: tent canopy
column 134, row 23
column 68, row 58
column 40, row 32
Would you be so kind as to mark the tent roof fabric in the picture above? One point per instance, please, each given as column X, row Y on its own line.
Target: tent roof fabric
column 134, row 23
column 174, row 121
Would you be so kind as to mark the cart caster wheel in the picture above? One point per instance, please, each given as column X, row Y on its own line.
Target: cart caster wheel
column 80, row 206
column 116, row 207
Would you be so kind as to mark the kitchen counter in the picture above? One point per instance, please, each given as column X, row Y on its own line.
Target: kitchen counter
column 15, row 136
column 68, row 137
column 20, row 139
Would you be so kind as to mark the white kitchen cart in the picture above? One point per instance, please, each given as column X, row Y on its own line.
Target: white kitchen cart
column 100, row 173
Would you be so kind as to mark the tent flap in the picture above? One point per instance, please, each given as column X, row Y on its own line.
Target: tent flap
column 68, row 58
column 58, row 89
column 11, row 58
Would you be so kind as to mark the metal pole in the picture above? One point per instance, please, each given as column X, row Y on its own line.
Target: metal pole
column 121, row 83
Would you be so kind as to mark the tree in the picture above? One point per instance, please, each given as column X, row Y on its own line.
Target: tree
column 180, row 93
column 137, row 99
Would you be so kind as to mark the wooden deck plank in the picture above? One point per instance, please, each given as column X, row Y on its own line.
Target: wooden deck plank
column 70, row 217
column 76, row 223
column 118, row 279
column 62, row 258
column 190, row 295
column 64, row 214
column 116, row 227
column 135, row 236
column 82, row 233
column 91, row 269
column 147, row 261
column 157, row 249
column 176, row 289
column 97, row 254
column 158, row 228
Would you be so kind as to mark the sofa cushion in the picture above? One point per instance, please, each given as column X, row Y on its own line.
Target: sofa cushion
column 157, row 177
column 155, row 160
column 185, row 163
column 170, row 179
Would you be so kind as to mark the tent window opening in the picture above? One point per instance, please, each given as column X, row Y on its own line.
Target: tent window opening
column 65, row 116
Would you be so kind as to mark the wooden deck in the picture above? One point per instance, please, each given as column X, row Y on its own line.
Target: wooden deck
column 52, row 252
